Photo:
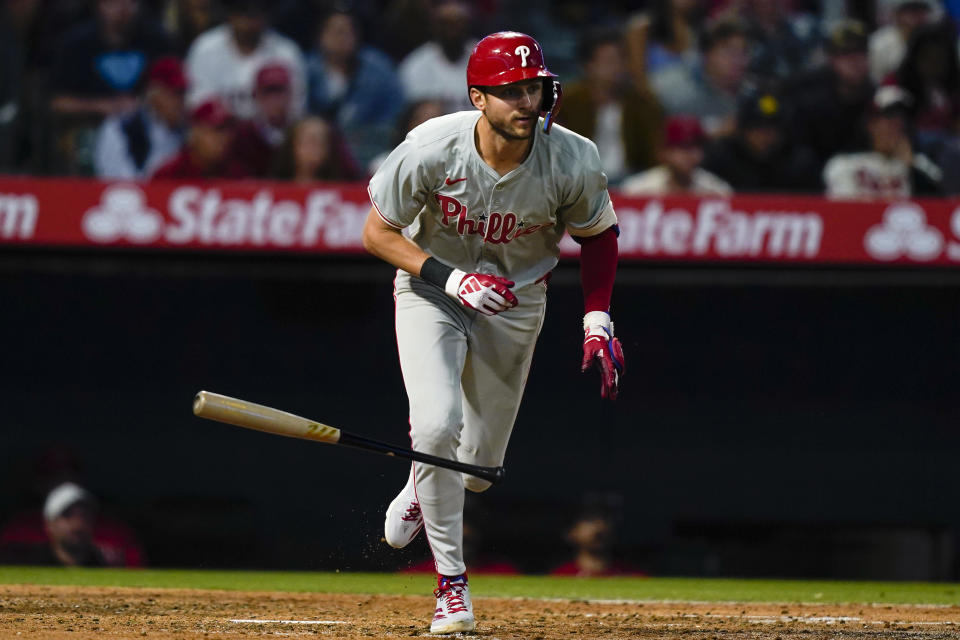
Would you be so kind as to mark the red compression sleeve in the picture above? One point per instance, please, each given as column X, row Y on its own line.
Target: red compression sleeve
column 598, row 268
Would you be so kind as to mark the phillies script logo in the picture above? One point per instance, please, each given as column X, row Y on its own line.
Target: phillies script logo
column 497, row 228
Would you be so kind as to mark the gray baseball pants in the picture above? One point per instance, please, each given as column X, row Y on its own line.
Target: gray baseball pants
column 464, row 373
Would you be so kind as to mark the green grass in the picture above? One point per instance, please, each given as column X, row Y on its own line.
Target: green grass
column 520, row 586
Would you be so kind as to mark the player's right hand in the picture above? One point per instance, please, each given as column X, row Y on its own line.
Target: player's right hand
column 484, row 292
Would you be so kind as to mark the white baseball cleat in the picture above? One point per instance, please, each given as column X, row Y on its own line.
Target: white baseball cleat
column 454, row 612
column 404, row 520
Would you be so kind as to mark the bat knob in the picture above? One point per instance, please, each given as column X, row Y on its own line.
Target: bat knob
column 498, row 475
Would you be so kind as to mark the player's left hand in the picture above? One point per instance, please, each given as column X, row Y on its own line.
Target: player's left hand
column 603, row 351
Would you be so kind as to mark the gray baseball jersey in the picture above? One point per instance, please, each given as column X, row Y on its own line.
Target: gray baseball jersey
column 464, row 372
column 463, row 213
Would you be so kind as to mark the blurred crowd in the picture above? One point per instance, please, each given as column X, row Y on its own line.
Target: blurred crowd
column 848, row 98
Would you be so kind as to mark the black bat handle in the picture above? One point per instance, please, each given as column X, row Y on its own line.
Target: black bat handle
column 490, row 474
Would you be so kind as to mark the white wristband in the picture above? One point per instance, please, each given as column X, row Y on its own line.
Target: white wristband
column 452, row 287
column 597, row 319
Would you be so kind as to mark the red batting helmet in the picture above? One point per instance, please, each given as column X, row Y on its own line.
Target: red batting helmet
column 509, row 56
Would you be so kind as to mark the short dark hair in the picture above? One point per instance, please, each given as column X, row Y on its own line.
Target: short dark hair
column 595, row 38
column 721, row 30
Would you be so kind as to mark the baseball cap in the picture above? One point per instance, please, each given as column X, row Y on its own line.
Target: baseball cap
column 212, row 112
column 168, row 71
column 848, row 36
column 889, row 99
column 63, row 497
column 762, row 108
column 272, row 76
column 683, row 131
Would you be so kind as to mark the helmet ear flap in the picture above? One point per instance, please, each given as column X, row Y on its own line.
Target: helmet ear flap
column 552, row 96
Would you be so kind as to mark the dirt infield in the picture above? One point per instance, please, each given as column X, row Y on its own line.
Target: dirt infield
column 79, row 613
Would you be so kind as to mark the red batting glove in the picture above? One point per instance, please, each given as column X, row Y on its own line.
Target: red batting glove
column 603, row 351
column 483, row 292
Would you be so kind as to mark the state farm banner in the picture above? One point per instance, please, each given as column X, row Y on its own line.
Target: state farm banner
column 277, row 217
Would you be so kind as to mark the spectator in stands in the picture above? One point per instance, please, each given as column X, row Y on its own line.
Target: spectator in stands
column 781, row 43
column 679, row 172
column 436, row 70
column 673, row 32
column 413, row 115
column 256, row 140
column 24, row 535
column 31, row 34
column 404, row 26
column 609, row 107
column 69, row 515
column 353, row 85
column 708, row 91
column 890, row 169
column 98, row 72
column 224, row 60
column 133, row 145
column 206, row 152
column 298, row 19
column 829, row 103
column 185, row 20
column 930, row 73
column 888, row 45
column 761, row 155
column 102, row 63
column 313, row 151
column 592, row 536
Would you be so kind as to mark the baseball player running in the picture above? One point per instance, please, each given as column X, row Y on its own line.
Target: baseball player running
column 471, row 208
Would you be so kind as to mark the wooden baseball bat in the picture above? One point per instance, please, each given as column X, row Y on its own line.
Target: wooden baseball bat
column 241, row 413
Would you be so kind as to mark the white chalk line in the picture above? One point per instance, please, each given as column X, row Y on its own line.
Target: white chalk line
column 828, row 620
column 812, row 603
column 257, row 621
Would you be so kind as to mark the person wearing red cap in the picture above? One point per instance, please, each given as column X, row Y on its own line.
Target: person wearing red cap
column 132, row 146
column 679, row 171
column 256, row 140
column 206, row 152
column 224, row 61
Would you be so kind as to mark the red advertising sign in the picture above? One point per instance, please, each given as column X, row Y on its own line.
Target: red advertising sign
column 329, row 219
